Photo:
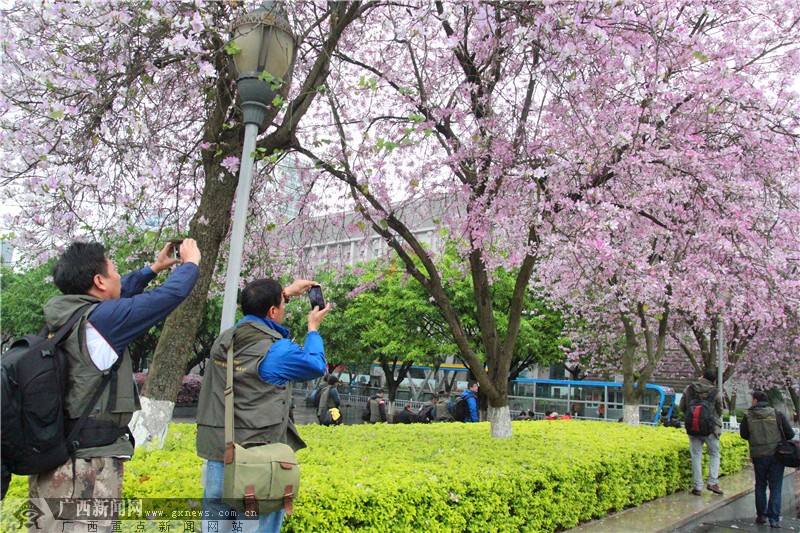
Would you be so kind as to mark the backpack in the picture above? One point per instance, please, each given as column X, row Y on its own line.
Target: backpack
column 460, row 409
column 33, row 378
column 700, row 420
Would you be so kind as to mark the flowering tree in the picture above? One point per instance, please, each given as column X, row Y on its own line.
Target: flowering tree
column 594, row 140
column 638, row 133
column 118, row 113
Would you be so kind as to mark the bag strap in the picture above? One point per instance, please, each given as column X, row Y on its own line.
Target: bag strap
column 780, row 426
column 229, row 432
column 59, row 335
column 229, row 405
column 72, row 442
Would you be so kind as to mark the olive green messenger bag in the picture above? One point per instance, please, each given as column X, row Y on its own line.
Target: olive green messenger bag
column 260, row 479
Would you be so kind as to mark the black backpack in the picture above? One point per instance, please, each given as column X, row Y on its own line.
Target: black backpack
column 700, row 419
column 33, row 380
column 460, row 409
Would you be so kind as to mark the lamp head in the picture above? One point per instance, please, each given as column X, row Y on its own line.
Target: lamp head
column 263, row 47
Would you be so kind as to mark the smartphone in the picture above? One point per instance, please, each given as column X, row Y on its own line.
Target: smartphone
column 315, row 296
column 176, row 248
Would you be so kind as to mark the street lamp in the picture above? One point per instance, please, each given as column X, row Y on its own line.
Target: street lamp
column 264, row 47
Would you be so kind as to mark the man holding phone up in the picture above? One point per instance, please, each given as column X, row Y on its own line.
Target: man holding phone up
column 266, row 361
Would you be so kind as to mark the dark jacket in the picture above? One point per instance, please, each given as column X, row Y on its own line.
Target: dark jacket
column 377, row 409
column 427, row 413
column 763, row 428
column 701, row 389
column 405, row 416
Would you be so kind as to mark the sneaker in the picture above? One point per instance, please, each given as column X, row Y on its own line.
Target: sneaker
column 774, row 525
column 715, row 489
column 761, row 520
column 697, row 492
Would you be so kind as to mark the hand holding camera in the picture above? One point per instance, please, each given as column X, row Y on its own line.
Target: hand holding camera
column 318, row 307
column 176, row 251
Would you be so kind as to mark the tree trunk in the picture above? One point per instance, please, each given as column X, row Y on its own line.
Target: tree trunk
column 796, row 402
column 180, row 329
column 630, row 413
column 500, row 421
column 390, row 411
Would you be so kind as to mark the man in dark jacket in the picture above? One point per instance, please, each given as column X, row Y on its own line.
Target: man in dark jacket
column 704, row 389
column 115, row 311
column 328, row 398
column 406, row 416
column 763, row 427
column 376, row 407
column 443, row 407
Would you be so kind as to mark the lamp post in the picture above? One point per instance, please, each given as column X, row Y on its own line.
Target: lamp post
column 264, row 48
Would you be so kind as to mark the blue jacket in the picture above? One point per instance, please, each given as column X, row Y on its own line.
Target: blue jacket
column 287, row 361
column 121, row 320
column 472, row 403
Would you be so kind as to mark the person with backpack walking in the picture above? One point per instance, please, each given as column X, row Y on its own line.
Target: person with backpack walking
column 375, row 410
column 702, row 408
column 466, row 407
column 763, row 428
column 328, row 398
column 442, row 411
column 113, row 311
column 266, row 361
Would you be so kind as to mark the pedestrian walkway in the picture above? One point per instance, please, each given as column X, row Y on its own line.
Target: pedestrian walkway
column 683, row 512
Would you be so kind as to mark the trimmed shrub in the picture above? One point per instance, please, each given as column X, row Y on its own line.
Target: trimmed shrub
column 550, row 475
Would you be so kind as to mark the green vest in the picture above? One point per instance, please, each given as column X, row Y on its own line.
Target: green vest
column 260, row 409
column 375, row 410
column 84, row 379
column 764, row 432
column 325, row 400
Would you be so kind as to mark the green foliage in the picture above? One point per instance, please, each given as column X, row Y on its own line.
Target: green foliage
column 550, row 475
column 25, row 292
column 23, row 295
column 232, row 49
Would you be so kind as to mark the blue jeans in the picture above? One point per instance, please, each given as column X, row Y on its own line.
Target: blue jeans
column 769, row 472
column 218, row 514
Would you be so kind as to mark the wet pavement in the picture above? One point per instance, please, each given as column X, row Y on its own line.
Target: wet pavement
column 748, row 526
column 683, row 512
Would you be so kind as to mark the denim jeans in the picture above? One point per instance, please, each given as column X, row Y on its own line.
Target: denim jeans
column 696, row 448
column 213, row 476
column 769, row 472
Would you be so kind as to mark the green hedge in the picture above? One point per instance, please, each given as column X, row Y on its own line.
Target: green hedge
column 551, row 475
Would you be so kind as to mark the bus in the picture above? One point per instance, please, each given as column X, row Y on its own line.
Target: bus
column 593, row 400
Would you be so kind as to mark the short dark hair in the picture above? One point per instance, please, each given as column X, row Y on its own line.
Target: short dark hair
column 259, row 295
column 760, row 396
column 76, row 268
column 332, row 380
column 471, row 383
column 710, row 374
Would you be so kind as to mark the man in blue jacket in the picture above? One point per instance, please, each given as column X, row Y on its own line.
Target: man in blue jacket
column 267, row 361
column 114, row 311
column 471, row 397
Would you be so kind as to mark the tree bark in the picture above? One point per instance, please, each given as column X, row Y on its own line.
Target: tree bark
column 500, row 421
column 630, row 413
